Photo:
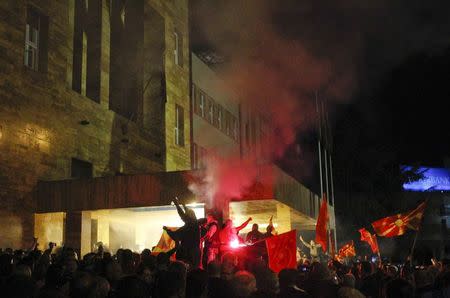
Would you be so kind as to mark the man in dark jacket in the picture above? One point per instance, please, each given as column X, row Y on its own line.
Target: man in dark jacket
column 188, row 236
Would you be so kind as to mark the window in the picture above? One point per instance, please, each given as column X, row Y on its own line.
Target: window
column 178, row 50
column 235, row 129
column 81, row 169
column 193, row 98
column 201, row 105
column 36, row 32
column 210, row 110
column 179, row 125
column 219, row 117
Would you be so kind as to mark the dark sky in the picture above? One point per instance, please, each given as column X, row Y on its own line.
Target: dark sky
column 396, row 51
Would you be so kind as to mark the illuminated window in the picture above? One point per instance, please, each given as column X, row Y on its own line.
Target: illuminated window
column 36, row 31
column 179, row 126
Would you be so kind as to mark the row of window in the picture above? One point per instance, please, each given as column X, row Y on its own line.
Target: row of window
column 198, row 156
column 205, row 107
column 36, row 35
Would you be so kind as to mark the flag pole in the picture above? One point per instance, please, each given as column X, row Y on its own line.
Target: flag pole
column 411, row 256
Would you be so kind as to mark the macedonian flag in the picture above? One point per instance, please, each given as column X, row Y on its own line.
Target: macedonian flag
column 348, row 250
column 397, row 225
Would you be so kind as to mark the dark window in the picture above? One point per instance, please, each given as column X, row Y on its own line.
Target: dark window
column 36, row 39
column 179, row 125
column 193, row 98
column 87, row 48
column 81, row 169
column 178, row 48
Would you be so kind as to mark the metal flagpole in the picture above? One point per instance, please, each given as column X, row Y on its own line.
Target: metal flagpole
column 411, row 256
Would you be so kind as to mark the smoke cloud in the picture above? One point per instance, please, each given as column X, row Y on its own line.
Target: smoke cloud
column 280, row 55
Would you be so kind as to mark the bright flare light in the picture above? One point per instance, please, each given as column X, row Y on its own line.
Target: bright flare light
column 234, row 244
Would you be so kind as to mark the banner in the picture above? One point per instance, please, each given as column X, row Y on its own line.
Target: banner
column 282, row 251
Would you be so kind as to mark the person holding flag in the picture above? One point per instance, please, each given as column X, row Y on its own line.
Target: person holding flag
column 321, row 232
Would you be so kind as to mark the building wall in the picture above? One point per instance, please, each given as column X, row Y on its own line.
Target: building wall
column 44, row 123
column 207, row 134
column 177, row 81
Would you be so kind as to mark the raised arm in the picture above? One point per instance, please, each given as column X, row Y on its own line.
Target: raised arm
column 304, row 242
column 181, row 212
column 243, row 225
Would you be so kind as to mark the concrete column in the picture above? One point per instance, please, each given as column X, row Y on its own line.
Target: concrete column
column 78, row 232
column 86, row 246
column 283, row 218
column 72, row 232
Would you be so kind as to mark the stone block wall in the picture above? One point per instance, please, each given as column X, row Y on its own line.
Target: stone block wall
column 44, row 123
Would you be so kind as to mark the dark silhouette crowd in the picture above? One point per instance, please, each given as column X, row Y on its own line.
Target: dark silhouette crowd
column 59, row 272
column 204, row 264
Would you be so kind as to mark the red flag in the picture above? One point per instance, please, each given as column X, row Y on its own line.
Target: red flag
column 321, row 226
column 369, row 238
column 348, row 250
column 397, row 225
column 282, row 251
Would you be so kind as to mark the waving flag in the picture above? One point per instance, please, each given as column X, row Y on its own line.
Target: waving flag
column 348, row 250
column 321, row 226
column 282, row 251
column 370, row 239
column 165, row 243
column 397, row 225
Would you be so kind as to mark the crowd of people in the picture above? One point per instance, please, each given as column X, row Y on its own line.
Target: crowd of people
column 58, row 272
column 202, row 265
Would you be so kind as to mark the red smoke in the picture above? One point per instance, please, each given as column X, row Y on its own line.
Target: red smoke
column 273, row 77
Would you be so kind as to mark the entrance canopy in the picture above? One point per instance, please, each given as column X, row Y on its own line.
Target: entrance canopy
column 159, row 189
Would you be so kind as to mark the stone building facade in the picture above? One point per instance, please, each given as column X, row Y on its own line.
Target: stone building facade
column 87, row 89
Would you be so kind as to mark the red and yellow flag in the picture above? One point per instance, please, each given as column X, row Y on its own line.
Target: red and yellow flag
column 370, row 239
column 165, row 243
column 348, row 250
column 322, row 223
column 397, row 225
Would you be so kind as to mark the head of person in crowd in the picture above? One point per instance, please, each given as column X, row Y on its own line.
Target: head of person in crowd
column 243, row 284
column 132, row 287
column 196, row 283
column 398, row 288
column 214, row 269
column 229, row 265
column 287, row 278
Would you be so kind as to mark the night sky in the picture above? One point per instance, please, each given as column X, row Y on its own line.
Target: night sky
column 398, row 55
